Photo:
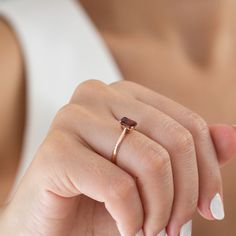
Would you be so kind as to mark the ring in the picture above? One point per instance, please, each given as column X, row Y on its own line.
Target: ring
column 127, row 125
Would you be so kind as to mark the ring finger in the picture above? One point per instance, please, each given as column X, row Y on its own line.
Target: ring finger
column 180, row 145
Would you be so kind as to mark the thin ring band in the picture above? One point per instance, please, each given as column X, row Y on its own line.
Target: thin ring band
column 119, row 141
column 127, row 125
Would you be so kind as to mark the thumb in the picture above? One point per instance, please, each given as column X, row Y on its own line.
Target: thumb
column 224, row 139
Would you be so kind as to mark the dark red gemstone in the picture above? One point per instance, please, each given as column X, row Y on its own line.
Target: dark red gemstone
column 128, row 123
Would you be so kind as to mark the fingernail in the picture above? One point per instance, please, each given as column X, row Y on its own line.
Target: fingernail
column 140, row 233
column 217, row 207
column 186, row 229
column 162, row 233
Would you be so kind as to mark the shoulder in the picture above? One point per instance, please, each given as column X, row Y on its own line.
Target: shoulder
column 11, row 72
column 11, row 102
column 11, row 81
column 10, row 56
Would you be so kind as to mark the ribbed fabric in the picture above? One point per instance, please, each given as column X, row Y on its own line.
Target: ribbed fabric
column 61, row 48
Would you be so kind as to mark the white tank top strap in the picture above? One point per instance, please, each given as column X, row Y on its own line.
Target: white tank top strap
column 61, row 48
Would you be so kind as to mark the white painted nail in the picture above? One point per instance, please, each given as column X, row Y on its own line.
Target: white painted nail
column 186, row 229
column 140, row 233
column 162, row 233
column 217, row 207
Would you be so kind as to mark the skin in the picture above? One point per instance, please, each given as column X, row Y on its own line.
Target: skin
column 75, row 160
column 120, row 45
column 12, row 91
column 202, row 62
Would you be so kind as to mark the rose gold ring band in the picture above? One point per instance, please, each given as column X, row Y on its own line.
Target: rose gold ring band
column 127, row 125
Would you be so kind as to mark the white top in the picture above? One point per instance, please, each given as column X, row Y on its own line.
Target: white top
column 61, row 48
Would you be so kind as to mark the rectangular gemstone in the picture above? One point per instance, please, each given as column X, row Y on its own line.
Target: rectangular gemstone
column 128, row 122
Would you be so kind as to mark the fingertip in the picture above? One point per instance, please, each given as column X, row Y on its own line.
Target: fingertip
column 186, row 229
column 173, row 230
column 224, row 139
column 181, row 230
column 212, row 208
column 205, row 212
column 140, row 233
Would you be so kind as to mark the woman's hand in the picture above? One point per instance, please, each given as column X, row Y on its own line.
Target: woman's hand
column 165, row 168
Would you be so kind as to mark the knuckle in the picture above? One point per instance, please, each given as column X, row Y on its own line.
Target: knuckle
column 64, row 114
column 129, row 88
column 123, row 83
column 121, row 188
column 90, row 85
column 66, row 109
column 153, row 157
column 197, row 124
column 89, row 88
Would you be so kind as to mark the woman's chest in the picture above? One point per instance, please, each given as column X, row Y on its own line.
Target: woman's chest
column 168, row 71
